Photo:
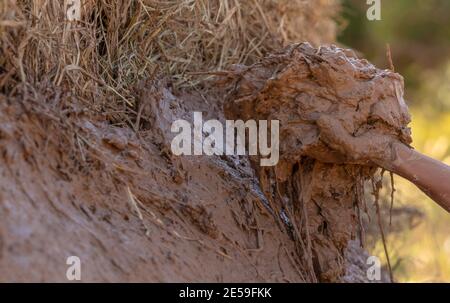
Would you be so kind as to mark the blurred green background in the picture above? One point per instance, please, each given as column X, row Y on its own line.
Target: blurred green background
column 418, row 33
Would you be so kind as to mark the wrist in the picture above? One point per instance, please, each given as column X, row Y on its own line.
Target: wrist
column 395, row 157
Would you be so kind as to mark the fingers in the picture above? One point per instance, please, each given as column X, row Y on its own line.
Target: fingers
column 333, row 133
column 372, row 146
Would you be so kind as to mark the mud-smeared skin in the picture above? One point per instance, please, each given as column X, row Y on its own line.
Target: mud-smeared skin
column 320, row 97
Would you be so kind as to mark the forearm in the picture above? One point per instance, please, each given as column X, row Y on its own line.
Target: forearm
column 431, row 176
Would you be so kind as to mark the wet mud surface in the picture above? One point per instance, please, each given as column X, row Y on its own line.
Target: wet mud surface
column 325, row 99
column 71, row 183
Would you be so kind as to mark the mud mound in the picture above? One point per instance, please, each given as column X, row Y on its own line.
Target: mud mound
column 304, row 88
column 73, row 185
column 85, row 168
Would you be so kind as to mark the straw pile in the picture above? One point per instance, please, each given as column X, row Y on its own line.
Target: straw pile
column 101, row 57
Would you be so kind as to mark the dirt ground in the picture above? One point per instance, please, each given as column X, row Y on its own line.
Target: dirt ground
column 133, row 214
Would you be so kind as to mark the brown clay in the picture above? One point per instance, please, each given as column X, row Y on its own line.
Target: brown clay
column 334, row 109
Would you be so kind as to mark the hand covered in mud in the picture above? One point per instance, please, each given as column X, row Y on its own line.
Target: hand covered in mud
column 372, row 147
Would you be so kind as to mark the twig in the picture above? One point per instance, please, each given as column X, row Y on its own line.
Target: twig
column 392, row 197
column 376, row 189
column 389, row 57
column 138, row 211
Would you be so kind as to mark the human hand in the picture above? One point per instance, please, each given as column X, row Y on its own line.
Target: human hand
column 372, row 147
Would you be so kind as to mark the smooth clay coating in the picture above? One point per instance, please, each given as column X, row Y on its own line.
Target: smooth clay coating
column 318, row 182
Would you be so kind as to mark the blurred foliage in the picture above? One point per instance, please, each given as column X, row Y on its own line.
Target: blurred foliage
column 418, row 33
